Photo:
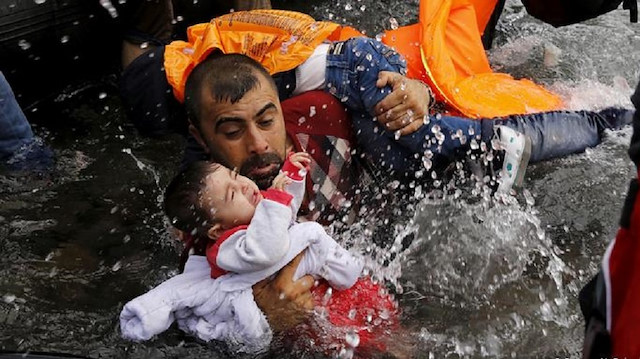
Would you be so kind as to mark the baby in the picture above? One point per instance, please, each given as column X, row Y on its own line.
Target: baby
column 251, row 235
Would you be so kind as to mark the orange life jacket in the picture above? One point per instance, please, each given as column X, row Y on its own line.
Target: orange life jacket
column 443, row 50
column 279, row 40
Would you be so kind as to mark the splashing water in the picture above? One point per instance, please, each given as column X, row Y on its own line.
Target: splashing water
column 475, row 275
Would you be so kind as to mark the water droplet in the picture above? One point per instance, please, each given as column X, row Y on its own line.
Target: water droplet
column 369, row 57
column 49, row 256
column 345, row 353
column 363, row 8
column 102, row 95
column 116, row 267
column 327, row 296
column 426, row 163
column 474, row 144
column 312, row 111
column 435, row 129
column 126, row 239
column 393, row 23
column 105, row 4
column 144, row 45
column 528, row 198
column 397, row 135
column 8, row 298
column 301, row 120
column 64, row 39
column 352, row 314
column 24, row 44
column 348, row 7
column 352, row 338
column 114, row 210
column 40, row 2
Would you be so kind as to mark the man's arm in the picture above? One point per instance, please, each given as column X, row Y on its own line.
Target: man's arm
column 285, row 302
column 405, row 108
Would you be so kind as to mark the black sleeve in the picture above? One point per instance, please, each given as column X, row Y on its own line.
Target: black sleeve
column 634, row 148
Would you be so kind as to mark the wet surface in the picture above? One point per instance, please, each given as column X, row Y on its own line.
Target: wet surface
column 481, row 278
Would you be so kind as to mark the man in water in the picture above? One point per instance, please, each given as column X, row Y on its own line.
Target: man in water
column 237, row 118
column 249, row 129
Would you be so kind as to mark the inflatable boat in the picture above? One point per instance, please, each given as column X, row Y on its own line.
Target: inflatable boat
column 49, row 44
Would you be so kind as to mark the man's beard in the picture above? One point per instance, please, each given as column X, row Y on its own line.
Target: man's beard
column 263, row 180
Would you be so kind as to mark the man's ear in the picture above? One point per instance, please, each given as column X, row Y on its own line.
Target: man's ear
column 193, row 130
column 215, row 231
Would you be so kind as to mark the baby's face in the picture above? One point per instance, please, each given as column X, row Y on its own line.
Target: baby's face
column 231, row 198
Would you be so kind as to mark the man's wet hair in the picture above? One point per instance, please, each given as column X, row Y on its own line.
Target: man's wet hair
column 228, row 77
column 182, row 199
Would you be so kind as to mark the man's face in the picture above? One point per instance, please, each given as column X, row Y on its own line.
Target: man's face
column 248, row 135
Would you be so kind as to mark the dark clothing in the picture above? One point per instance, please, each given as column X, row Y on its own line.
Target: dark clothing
column 609, row 302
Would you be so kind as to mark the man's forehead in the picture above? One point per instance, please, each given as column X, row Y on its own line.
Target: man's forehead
column 251, row 104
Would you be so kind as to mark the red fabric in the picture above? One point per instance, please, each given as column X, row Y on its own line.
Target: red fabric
column 625, row 288
column 369, row 300
column 277, row 196
column 213, row 249
column 318, row 124
column 330, row 117
column 291, row 170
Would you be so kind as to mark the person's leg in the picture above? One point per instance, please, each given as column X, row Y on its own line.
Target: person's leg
column 15, row 130
column 352, row 71
column 560, row 133
column 19, row 148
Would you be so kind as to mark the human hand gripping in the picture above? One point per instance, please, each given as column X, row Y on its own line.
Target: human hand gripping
column 295, row 164
column 284, row 302
column 404, row 110
column 280, row 182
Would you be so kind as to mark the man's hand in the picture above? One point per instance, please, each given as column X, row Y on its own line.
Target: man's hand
column 405, row 108
column 285, row 303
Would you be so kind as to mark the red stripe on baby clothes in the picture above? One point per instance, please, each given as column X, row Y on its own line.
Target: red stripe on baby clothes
column 291, row 170
column 277, row 195
column 212, row 251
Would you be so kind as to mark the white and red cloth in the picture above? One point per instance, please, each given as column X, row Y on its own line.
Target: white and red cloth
column 223, row 308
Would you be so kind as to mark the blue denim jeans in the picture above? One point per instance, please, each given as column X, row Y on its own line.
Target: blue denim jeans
column 351, row 74
column 19, row 149
column 15, row 131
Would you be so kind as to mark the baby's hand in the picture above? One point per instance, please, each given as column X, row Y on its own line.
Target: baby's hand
column 301, row 160
column 280, row 182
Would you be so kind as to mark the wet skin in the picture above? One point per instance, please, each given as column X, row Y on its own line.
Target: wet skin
column 231, row 198
column 248, row 135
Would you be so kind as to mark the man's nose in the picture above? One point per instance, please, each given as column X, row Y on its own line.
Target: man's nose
column 257, row 142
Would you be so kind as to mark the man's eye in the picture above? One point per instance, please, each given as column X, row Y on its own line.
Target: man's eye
column 231, row 134
column 265, row 123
